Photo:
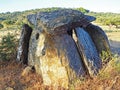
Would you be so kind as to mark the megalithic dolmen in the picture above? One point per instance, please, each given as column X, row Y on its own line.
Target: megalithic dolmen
column 53, row 52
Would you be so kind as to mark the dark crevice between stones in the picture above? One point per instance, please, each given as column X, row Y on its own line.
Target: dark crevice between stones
column 23, row 48
column 28, row 31
column 33, row 69
column 37, row 36
column 80, row 53
column 70, row 32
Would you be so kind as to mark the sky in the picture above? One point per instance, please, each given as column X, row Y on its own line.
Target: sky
column 92, row 5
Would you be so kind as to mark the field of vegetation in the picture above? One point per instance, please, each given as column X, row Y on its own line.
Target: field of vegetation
column 11, row 77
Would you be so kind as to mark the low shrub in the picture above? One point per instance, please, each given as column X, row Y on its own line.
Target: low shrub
column 8, row 46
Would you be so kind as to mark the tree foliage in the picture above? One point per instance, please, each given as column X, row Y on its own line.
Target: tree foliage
column 82, row 10
column 8, row 22
column 1, row 26
column 8, row 46
column 107, row 18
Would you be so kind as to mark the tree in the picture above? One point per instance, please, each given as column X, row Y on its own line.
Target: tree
column 83, row 10
column 116, row 22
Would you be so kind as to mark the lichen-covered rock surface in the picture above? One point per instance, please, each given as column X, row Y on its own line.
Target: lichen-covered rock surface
column 88, row 52
column 49, row 21
column 53, row 52
column 99, row 38
column 22, row 54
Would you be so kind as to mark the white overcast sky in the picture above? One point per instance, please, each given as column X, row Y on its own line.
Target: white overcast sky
column 92, row 5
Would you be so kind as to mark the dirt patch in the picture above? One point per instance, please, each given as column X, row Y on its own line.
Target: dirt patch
column 114, row 39
column 10, row 76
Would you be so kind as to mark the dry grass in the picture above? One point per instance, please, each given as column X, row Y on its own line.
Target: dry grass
column 115, row 36
column 114, row 39
column 5, row 31
column 10, row 76
column 108, row 79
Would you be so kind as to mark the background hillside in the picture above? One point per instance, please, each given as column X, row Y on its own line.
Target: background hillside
column 18, row 18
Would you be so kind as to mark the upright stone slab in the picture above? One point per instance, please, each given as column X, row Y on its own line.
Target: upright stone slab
column 88, row 52
column 99, row 38
column 22, row 54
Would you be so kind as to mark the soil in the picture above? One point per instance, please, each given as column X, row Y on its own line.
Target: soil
column 115, row 47
column 114, row 40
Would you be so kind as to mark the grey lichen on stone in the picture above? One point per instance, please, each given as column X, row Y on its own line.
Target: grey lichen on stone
column 53, row 51
column 32, row 19
column 88, row 51
column 51, row 20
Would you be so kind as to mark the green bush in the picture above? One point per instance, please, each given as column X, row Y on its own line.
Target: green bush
column 116, row 64
column 105, row 56
column 1, row 26
column 8, row 47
